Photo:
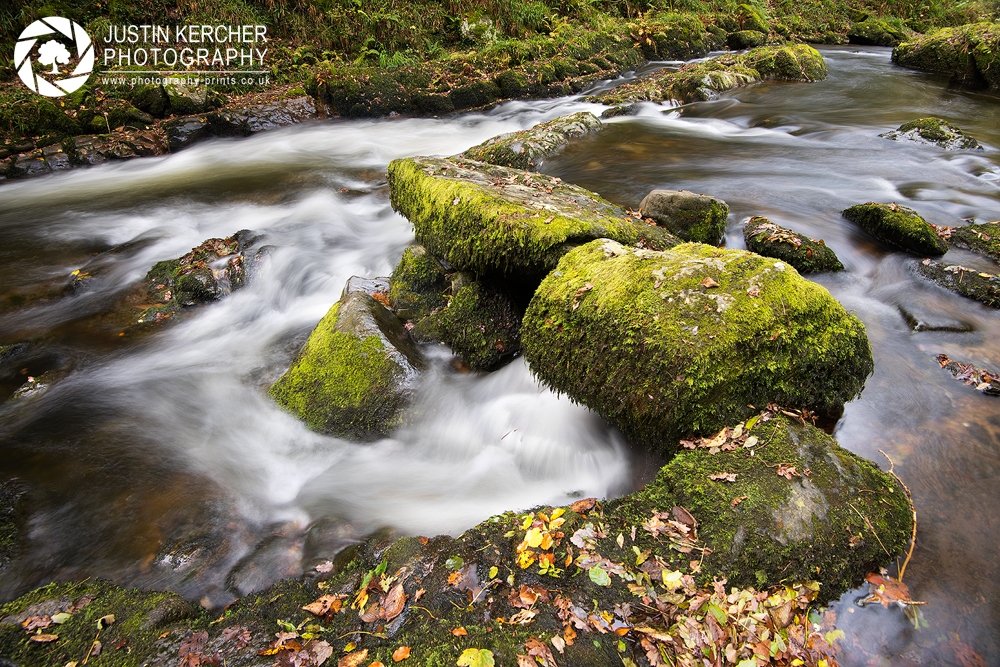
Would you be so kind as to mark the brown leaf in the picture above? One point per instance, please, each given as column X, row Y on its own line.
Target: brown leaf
column 324, row 567
column 788, row 471
column 538, row 649
column 738, row 500
column 393, row 603
column 681, row 514
column 460, row 631
column 401, row 653
column 44, row 638
column 584, row 505
column 418, row 594
column 325, row 604
column 525, row 661
column 35, row 622
column 95, row 650
column 353, row 659
column 723, row 477
column 708, row 282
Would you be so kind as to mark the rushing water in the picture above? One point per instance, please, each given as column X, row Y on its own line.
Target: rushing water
column 162, row 463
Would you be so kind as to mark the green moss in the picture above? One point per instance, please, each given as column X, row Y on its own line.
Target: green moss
column 897, row 226
column 969, row 54
column 692, row 217
column 935, row 131
column 876, row 32
column 417, row 284
column 497, row 221
column 972, row 284
column 806, row 254
column 640, row 337
column 746, row 39
column 811, row 526
column 525, row 149
column 349, row 379
column 752, row 18
column 139, row 619
column 982, row 238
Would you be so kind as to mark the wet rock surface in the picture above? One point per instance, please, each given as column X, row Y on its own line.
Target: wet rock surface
column 969, row 54
column 501, row 222
column 355, row 372
column 876, row 32
column 982, row 238
column 972, row 284
column 899, row 227
column 934, row 131
column 527, row 148
column 692, row 217
column 806, row 254
column 667, row 343
column 418, row 284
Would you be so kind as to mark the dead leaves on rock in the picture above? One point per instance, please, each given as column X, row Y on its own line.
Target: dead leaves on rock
column 982, row 380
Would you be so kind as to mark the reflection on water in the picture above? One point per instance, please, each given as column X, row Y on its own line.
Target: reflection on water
column 162, row 463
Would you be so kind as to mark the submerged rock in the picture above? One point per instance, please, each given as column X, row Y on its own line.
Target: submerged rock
column 705, row 80
column 356, row 371
column 981, row 379
column 417, row 285
column 789, row 513
column 876, row 32
column 667, row 343
column 806, row 254
column 525, row 149
column 972, row 284
column 934, row 131
column 481, row 322
column 14, row 511
column 969, row 54
column 921, row 318
column 692, row 217
column 497, row 221
column 898, row 227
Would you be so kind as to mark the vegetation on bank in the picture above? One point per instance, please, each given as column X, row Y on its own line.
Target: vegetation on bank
column 390, row 45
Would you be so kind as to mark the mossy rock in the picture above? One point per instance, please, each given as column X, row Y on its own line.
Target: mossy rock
column 674, row 37
column 525, row 149
column 667, row 343
column 811, row 524
column 705, row 80
column 140, row 620
column 898, row 227
column 151, row 98
column 934, row 131
column 481, row 323
column 983, row 238
column 692, row 217
column 745, row 39
column 977, row 285
column 474, row 95
column 417, row 284
column 188, row 99
column 751, row 18
column 969, row 54
column 14, row 510
column 366, row 94
column 497, row 221
column 806, row 254
column 876, row 32
column 355, row 372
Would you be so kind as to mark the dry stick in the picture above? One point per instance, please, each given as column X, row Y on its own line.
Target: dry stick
column 909, row 499
column 871, row 528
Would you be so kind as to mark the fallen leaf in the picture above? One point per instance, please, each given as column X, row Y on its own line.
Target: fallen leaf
column 599, row 576
column 353, row 659
column 324, row 605
column 418, row 594
column 523, row 617
column 324, row 567
column 559, row 643
column 723, row 477
column 44, row 638
column 476, row 657
column 708, row 282
column 788, row 471
column 460, row 631
column 61, row 618
column 401, row 653
column 105, row 621
column 537, row 649
column 393, row 603
column 525, row 661
column 582, row 506
column 738, row 500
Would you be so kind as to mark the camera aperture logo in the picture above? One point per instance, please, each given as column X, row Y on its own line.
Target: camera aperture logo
column 62, row 45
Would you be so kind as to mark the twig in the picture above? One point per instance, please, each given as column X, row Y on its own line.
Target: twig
column 413, row 606
column 913, row 511
column 871, row 528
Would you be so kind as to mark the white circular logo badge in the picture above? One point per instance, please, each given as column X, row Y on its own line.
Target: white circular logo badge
column 50, row 80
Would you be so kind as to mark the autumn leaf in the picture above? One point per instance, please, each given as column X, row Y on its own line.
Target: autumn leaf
column 401, row 653
column 44, row 638
column 476, row 657
column 737, row 500
column 460, row 631
column 325, row 604
column 353, row 659
column 584, row 505
column 540, row 650
column 599, row 576
column 324, row 567
column 723, row 477
column 788, row 471
column 708, row 282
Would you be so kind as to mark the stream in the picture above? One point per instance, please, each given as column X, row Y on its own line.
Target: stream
column 161, row 463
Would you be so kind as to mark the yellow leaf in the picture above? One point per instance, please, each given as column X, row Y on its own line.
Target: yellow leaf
column 546, row 541
column 558, row 512
column 533, row 538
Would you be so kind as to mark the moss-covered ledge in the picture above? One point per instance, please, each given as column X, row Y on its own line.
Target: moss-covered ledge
column 720, row 556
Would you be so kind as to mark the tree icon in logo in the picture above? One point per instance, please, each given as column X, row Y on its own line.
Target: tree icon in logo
column 53, row 52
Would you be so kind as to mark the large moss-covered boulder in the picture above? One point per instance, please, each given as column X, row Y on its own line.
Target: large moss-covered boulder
column 898, row 227
column 481, row 323
column 672, row 37
column 806, row 254
column 876, row 32
column 969, row 54
column 749, row 17
column 507, row 222
column 745, row 39
column 525, row 149
column 355, row 372
column 417, row 285
column 705, row 80
column 934, row 131
column 793, row 511
column 667, row 343
column 691, row 216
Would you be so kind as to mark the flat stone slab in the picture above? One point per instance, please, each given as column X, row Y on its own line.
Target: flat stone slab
column 527, row 148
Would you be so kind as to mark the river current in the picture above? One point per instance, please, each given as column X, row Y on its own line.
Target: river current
column 162, row 463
